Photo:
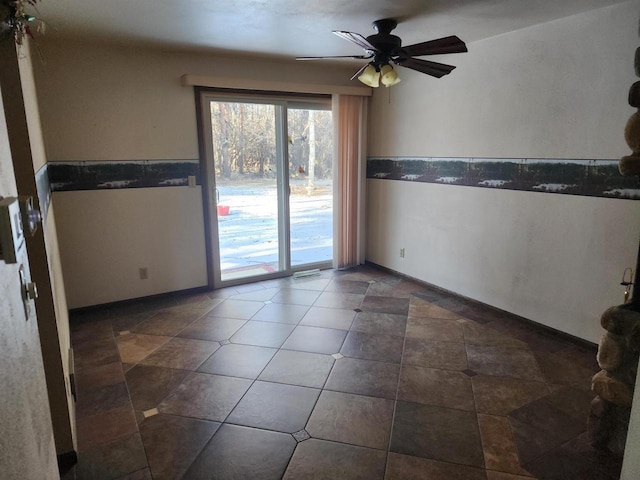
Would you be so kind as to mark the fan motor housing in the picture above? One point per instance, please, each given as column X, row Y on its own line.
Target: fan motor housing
column 385, row 25
column 386, row 43
column 385, row 49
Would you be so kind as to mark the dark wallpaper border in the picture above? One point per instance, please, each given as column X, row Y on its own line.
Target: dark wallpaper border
column 116, row 174
column 593, row 178
column 43, row 188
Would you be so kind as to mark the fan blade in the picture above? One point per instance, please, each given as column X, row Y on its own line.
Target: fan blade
column 357, row 39
column 357, row 74
column 359, row 57
column 450, row 44
column 430, row 68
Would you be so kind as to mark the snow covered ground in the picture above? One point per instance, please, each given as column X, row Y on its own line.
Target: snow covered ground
column 249, row 234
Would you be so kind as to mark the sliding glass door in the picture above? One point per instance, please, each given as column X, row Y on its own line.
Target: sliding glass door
column 247, row 148
column 310, row 134
column 269, row 179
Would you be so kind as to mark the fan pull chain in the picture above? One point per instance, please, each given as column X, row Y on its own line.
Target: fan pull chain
column 627, row 282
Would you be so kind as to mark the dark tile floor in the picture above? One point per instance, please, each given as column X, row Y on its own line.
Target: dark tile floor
column 352, row 374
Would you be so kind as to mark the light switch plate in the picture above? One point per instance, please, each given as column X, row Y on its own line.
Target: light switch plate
column 11, row 232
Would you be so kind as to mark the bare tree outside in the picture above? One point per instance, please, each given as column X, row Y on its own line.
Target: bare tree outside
column 244, row 150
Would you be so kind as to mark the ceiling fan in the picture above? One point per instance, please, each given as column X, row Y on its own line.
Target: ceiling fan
column 385, row 49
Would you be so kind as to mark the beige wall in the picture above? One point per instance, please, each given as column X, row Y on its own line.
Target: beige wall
column 556, row 90
column 555, row 259
column 106, row 236
column 111, row 103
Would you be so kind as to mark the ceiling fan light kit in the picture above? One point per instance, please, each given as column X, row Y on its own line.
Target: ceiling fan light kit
column 386, row 49
column 388, row 76
column 370, row 76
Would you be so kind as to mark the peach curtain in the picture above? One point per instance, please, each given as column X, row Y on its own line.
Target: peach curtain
column 350, row 138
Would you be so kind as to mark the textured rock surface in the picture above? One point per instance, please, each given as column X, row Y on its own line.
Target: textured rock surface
column 600, row 423
column 634, row 95
column 607, row 426
column 609, row 352
column 632, row 132
column 629, row 166
column 618, row 357
column 611, row 389
column 621, row 321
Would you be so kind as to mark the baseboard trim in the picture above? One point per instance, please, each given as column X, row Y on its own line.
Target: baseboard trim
column 120, row 303
column 532, row 323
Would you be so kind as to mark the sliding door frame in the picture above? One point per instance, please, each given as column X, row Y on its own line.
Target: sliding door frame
column 282, row 101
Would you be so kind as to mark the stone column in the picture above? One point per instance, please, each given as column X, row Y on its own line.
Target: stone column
column 630, row 165
column 618, row 354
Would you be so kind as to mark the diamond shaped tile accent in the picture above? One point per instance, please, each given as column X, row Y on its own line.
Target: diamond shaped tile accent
column 301, row 435
column 527, row 418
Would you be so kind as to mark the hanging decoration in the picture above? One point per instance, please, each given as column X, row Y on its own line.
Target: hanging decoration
column 16, row 22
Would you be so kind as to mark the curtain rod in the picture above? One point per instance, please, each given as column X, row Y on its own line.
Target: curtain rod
column 192, row 80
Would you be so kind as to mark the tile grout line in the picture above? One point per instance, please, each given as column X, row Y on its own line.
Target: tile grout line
column 395, row 402
column 322, row 389
column 191, row 372
column 162, row 345
column 261, row 371
column 475, row 404
column 224, row 421
column 135, row 419
column 171, row 391
column 315, row 403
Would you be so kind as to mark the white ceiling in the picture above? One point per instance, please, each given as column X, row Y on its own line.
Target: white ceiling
column 290, row 28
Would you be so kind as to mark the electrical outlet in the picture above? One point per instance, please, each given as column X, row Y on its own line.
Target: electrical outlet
column 144, row 273
column 402, row 253
column 191, row 179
